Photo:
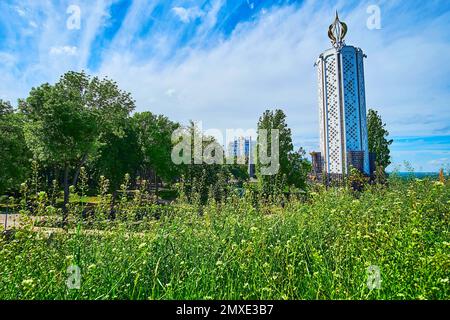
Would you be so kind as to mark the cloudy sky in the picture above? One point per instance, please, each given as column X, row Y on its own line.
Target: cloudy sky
column 224, row 62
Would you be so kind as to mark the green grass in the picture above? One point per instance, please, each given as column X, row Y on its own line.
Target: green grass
column 319, row 249
column 73, row 199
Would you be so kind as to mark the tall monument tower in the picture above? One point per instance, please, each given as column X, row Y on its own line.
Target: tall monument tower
column 342, row 105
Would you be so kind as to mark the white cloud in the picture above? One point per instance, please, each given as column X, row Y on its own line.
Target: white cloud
column 187, row 15
column 264, row 65
column 210, row 19
column 21, row 12
column 8, row 60
column 98, row 15
column 170, row 92
column 64, row 50
column 439, row 162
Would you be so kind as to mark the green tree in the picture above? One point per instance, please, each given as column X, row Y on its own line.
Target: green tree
column 203, row 179
column 14, row 154
column 154, row 133
column 66, row 122
column 117, row 156
column 378, row 139
column 299, row 168
column 293, row 166
column 239, row 172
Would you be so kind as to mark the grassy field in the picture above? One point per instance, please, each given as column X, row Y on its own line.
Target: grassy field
column 315, row 249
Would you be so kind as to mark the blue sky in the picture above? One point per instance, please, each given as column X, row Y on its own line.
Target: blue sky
column 225, row 62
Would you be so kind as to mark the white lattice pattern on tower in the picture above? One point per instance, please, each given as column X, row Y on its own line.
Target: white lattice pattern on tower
column 333, row 116
column 342, row 107
column 321, row 110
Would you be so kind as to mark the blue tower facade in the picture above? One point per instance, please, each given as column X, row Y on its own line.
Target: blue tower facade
column 342, row 105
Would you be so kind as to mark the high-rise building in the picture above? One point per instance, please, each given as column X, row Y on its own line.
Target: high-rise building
column 243, row 150
column 342, row 106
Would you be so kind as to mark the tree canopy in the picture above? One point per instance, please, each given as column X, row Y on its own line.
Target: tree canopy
column 66, row 123
column 293, row 167
column 154, row 134
column 14, row 155
column 378, row 139
column 84, row 125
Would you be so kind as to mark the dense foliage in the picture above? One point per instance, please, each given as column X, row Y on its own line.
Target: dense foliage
column 86, row 122
column 293, row 167
column 378, row 139
column 14, row 155
column 247, row 247
column 65, row 123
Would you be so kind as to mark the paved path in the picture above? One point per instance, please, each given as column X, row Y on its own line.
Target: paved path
column 13, row 220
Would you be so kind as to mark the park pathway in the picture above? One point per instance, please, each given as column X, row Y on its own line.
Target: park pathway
column 9, row 221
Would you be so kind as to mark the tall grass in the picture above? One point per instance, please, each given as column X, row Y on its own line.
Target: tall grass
column 231, row 249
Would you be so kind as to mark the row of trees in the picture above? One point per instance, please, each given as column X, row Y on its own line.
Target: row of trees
column 87, row 122
column 82, row 122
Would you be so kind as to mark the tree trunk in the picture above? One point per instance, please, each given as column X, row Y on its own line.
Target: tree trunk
column 112, row 211
column 66, row 192
column 77, row 171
